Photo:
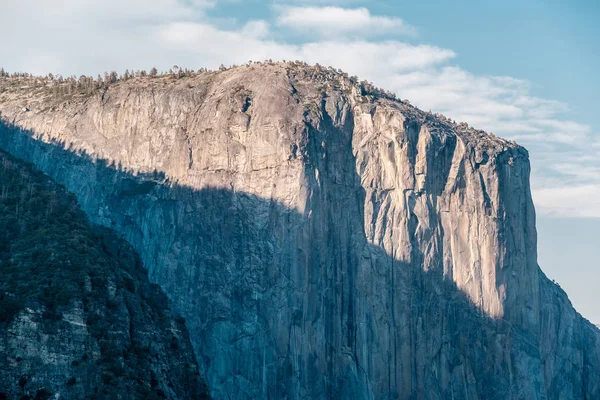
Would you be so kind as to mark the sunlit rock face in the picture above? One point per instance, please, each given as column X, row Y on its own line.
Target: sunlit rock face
column 322, row 240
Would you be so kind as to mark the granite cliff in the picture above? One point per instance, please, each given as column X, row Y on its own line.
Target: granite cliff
column 321, row 238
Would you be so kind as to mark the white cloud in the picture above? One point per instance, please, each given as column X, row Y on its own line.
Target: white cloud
column 371, row 60
column 340, row 22
column 256, row 29
column 93, row 36
column 206, row 45
column 87, row 36
column 569, row 200
column 201, row 41
column 553, row 137
column 97, row 12
column 321, row 2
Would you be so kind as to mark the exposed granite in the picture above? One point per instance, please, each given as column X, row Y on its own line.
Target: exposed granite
column 322, row 241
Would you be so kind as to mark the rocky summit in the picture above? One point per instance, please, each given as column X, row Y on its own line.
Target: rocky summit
column 322, row 239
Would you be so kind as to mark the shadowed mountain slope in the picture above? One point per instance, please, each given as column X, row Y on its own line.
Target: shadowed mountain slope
column 78, row 317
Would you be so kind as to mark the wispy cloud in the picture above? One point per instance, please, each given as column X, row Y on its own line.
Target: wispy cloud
column 573, row 201
column 92, row 36
column 340, row 22
column 320, row 2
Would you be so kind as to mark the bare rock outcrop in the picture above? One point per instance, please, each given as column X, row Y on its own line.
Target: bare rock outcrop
column 322, row 239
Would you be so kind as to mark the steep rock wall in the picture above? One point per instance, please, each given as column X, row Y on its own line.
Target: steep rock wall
column 322, row 242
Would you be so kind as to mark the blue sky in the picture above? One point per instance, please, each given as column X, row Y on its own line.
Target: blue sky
column 526, row 70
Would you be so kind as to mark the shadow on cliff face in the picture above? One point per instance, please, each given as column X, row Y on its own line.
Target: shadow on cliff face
column 281, row 304
column 78, row 316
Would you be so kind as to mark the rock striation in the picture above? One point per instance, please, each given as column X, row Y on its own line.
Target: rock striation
column 321, row 238
column 78, row 317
